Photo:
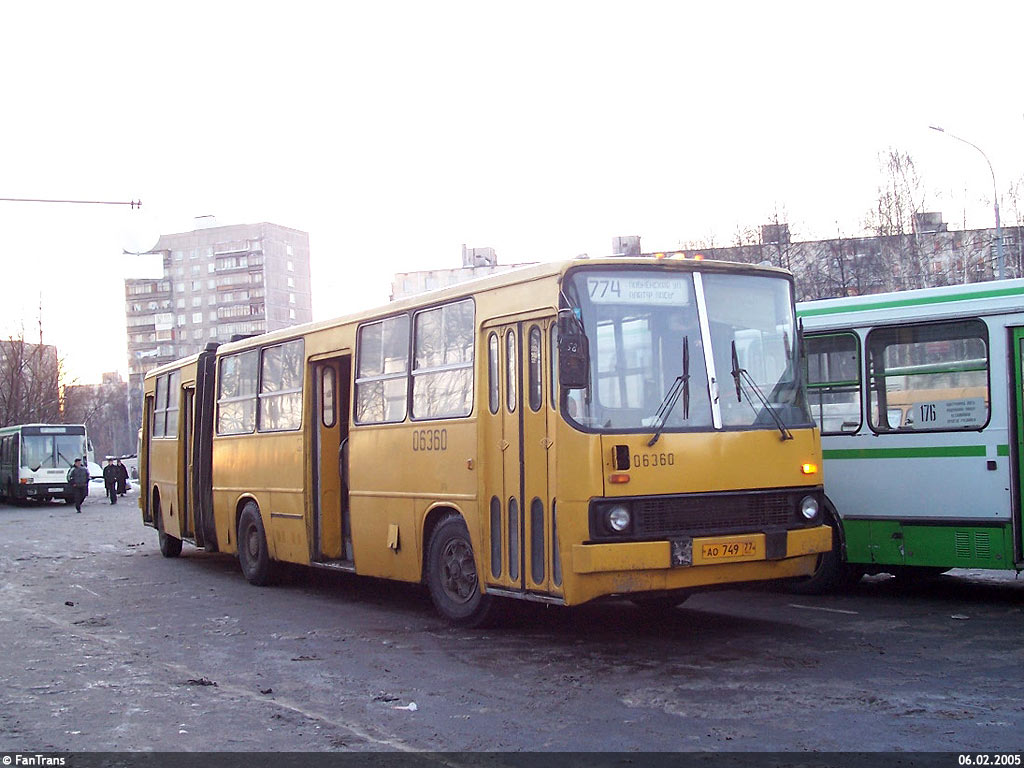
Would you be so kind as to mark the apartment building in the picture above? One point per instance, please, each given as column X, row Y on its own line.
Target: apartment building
column 218, row 283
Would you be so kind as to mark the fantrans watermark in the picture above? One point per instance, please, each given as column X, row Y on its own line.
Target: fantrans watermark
column 33, row 760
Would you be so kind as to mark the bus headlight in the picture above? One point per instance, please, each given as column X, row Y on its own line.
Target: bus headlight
column 809, row 507
column 617, row 518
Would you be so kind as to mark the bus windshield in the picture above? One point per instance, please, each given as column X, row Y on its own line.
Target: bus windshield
column 51, row 451
column 648, row 330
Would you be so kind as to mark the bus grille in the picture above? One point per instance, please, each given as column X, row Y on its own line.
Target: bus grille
column 694, row 515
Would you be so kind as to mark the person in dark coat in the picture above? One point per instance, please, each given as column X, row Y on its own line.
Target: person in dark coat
column 122, row 478
column 78, row 476
column 110, row 476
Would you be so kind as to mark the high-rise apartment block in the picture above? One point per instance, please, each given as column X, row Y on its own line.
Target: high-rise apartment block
column 218, row 282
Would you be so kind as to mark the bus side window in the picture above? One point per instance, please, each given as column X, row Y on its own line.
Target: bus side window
column 833, row 382
column 493, row 385
column 929, row 376
column 536, row 384
column 327, row 397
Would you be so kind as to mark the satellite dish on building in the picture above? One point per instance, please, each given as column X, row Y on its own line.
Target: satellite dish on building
column 140, row 233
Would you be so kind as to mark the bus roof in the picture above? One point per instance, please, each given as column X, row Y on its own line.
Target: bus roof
column 34, row 427
column 993, row 297
column 515, row 276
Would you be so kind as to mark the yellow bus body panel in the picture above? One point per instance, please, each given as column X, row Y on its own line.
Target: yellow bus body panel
column 268, row 468
column 707, row 462
column 396, row 480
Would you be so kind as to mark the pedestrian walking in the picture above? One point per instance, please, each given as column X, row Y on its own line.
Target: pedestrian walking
column 110, row 476
column 122, row 478
column 78, row 476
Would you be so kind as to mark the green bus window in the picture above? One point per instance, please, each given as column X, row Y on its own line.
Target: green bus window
column 833, row 382
column 929, row 377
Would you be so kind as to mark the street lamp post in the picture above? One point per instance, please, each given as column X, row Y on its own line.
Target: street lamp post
column 1000, row 261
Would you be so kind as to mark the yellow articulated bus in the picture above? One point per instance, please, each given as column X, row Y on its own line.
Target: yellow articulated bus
column 559, row 433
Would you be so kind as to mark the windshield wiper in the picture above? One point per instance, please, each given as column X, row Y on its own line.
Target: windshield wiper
column 681, row 386
column 740, row 375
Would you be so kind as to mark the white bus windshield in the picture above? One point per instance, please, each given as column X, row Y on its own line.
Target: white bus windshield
column 51, row 451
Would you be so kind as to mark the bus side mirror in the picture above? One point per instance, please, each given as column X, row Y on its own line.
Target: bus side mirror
column 573, row 352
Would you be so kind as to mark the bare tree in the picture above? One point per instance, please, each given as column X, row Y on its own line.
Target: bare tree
column 1013, row 245
column 776, row 240
column 103, row 408
column 901, row 197
column 707, row 242
column 745, row 235
column 30, row 377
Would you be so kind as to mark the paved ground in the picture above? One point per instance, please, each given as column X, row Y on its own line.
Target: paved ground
column 109, row 646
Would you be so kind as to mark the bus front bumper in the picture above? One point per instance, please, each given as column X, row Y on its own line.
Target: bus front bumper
column 702, row 553
column 42, row 490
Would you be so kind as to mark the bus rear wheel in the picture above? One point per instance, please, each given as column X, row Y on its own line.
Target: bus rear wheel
column 170, row 546
column 253, row 555
column 452, row 577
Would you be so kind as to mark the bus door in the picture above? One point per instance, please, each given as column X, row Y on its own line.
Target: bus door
column 1017, row 379
column 186, row 501
column 145, row 468
column 331, row 530
column 517, row 516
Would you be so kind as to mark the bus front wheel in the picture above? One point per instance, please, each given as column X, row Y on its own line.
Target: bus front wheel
column 452, row 577
column 831, row 572
column 253, row 555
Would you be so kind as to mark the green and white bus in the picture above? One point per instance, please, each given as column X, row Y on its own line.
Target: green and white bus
column 918, row 395
column 35, row 459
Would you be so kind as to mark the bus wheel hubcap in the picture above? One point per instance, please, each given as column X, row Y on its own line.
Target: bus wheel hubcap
column 458, row 573
column 253, row 543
